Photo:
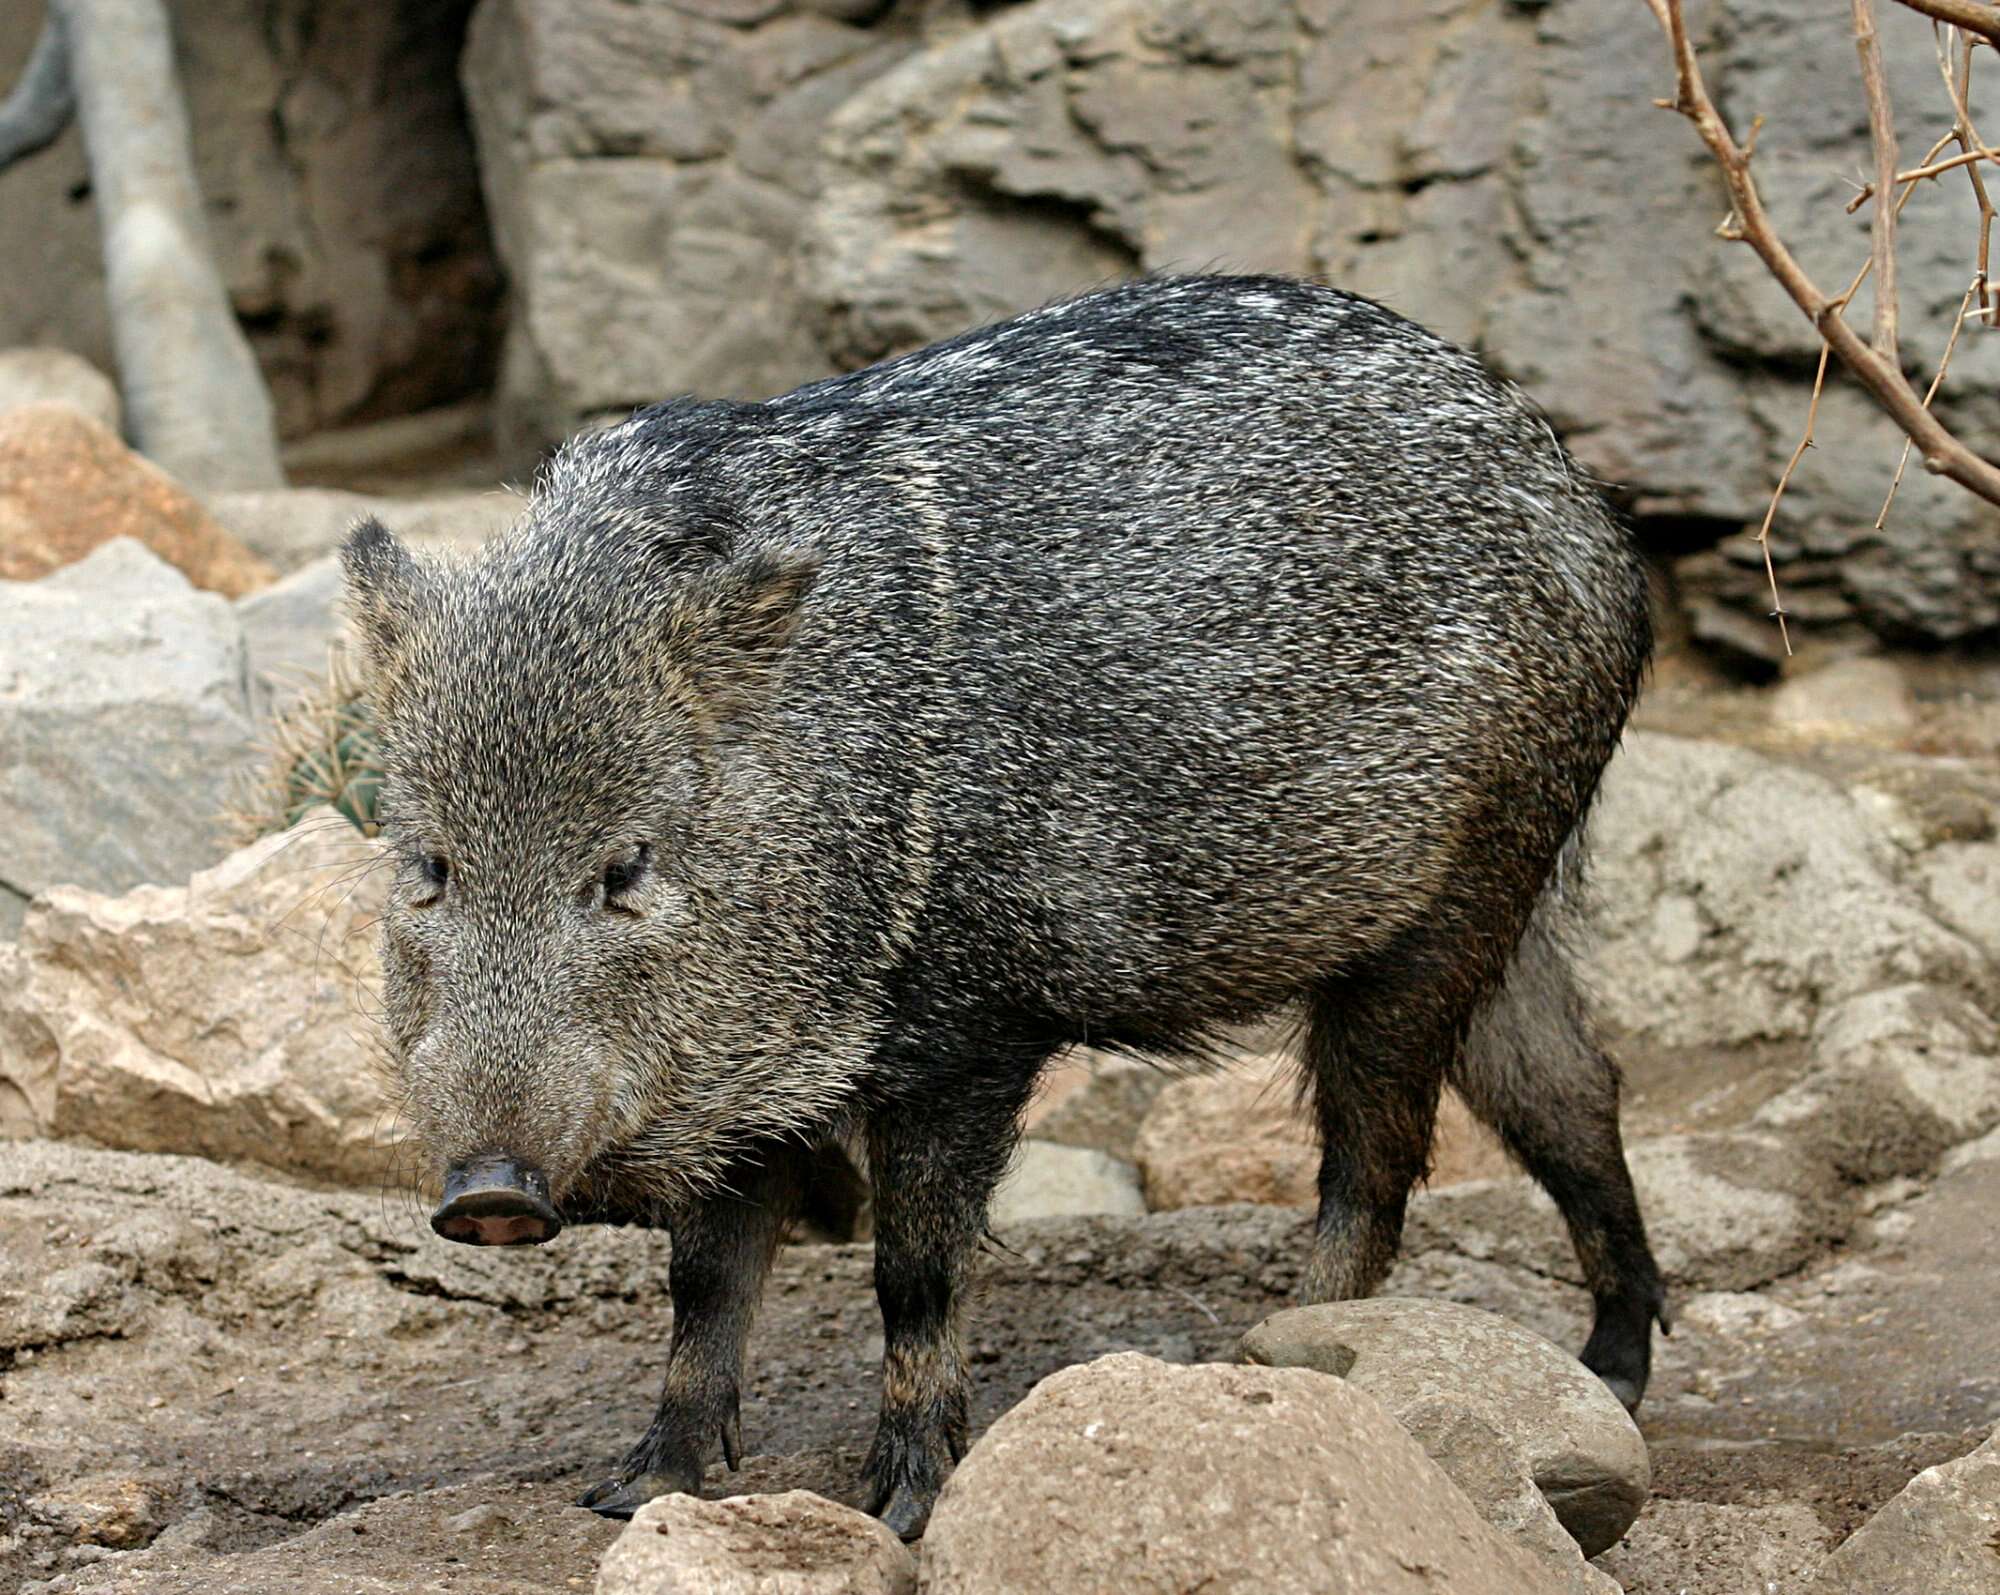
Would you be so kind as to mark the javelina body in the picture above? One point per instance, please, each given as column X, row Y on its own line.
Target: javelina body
column 1120, row 672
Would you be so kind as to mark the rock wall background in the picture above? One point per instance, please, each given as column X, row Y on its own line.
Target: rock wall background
column 343, row 199
column 734, row 196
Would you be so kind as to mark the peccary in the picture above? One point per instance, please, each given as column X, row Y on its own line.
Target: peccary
column 1184, row 652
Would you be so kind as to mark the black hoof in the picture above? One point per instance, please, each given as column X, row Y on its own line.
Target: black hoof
column 1628, row 1391
column 620, row 1498
column 905, row 1513
column 1620, row 1348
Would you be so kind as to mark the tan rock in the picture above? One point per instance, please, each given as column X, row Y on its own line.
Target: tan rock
column 68, row 485
column 1848, row 698
column 1144, row 1478
column 1233, row 1137
column 228, row 1018
column 112, row 1510
column 796, row 1543
column 1462, row 1148
column 1239, row 1137
column 1096, row 1099
column 1047, row 1180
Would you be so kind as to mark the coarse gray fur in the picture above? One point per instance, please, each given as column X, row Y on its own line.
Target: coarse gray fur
column 1118, row 674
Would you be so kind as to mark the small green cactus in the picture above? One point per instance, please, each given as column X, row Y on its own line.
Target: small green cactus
column 319, row 749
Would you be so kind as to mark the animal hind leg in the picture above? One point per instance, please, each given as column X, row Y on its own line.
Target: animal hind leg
column 1376, row 1046
column 1533, row 1070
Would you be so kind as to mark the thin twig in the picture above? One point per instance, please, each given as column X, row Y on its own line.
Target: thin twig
column 1882, row 133
column 1959, row 85
column 1942, row 452
column 1917, row 174
column 1967, row 14
column 1785, row 481
column 1930, row 393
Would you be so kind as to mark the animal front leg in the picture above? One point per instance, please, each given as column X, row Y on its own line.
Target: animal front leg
column 934, row 1169
column 723, row 1247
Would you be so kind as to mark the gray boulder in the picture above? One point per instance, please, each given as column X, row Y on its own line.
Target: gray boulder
column 290, row 629
column 1935, row 1538
column 794, row 1543
column 1725, row 1212
column 1432, row 1363
column 1899, row 1076
column 123, row 714
column 1133, row 1476
column 1738, row 897
column 1718, row 1550
column 38, row 376
column 1962, row 880
column 1050, row 1181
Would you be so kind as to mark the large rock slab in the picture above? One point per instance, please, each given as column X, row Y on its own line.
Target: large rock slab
column 123, row 714
column 68, row 486
column 795, row 1543
column 1431, row 1362
column 1064, row 143
column 1132, row 1476
column 489, row 1538
column 55, row 376
column 648, row 170
column 223, row 1018
column 1937, row 1538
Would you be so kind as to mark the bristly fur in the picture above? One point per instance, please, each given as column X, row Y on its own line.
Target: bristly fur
column 1121, row 672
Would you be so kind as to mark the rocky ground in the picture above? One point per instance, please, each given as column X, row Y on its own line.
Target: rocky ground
column 220, row 1379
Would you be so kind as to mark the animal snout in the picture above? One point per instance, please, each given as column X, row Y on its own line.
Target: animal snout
column 496, row 1201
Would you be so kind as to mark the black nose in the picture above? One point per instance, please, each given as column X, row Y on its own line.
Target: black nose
column 496, row 1201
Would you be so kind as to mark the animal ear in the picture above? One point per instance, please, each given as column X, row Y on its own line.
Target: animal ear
column 732, row 629
column 382, row 581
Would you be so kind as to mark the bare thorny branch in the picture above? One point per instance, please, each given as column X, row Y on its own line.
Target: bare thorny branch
column 1876, row 361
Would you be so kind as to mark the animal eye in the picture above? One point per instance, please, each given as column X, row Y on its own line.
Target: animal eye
column 620, row 877
column 433, row 873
